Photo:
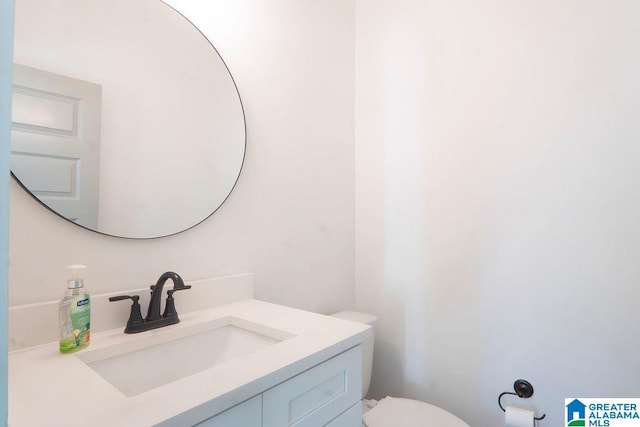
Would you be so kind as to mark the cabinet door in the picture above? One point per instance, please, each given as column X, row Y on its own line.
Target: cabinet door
column 317, row 396
column 245, row 414
column 352, row 417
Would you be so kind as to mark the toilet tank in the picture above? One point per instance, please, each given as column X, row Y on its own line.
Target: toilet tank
column 367, row 345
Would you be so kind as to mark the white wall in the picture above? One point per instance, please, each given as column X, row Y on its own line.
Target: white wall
column 497, row 199
column 6, row 48
column 289, row 219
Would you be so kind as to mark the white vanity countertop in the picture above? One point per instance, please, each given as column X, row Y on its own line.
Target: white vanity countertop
column 47, row 388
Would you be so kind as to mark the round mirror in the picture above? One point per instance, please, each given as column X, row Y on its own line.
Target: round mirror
column 126, row 121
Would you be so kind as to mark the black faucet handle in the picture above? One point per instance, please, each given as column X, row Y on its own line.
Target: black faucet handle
column 135, row 317
column 134, row 298
column 170, row 304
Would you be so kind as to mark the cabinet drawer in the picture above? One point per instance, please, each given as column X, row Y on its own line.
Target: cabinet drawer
column 352, row 417
column 245, row 414
column 314, row 397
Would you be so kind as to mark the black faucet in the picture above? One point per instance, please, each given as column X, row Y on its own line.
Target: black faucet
column 154, row 320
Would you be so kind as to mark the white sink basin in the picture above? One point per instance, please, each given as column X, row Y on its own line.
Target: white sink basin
column 155, row 358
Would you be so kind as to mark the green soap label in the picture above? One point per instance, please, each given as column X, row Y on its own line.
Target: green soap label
column 81, row 319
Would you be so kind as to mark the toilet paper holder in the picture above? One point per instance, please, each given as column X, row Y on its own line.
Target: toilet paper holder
column 524, row 390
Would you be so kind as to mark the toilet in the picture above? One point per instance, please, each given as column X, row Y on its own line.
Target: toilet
column 393, row 411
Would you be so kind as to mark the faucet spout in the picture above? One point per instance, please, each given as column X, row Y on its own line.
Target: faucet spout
column 154, row 319
column 153, row 313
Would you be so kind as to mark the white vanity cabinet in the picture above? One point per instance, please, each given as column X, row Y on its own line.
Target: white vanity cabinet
column 327, row 394
column 316, row 396
column 272, row 366
column 246, row 414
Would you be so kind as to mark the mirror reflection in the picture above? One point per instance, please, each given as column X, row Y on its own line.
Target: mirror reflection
column 126, row 120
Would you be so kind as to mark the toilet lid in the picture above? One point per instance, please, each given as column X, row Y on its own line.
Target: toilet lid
column 396, row 412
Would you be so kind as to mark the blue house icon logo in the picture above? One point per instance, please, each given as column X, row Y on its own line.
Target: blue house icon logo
column 576, row 413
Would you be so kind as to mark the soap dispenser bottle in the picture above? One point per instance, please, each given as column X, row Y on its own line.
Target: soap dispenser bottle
column 74, row 317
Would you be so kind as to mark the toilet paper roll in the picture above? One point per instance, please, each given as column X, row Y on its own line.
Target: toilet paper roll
column 518, row 417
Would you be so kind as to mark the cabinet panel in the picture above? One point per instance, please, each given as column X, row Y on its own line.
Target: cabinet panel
column 314, row 397
column 352, row 417
column 245, row 414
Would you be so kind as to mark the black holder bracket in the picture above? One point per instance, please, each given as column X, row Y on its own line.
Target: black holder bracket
column 523, row 389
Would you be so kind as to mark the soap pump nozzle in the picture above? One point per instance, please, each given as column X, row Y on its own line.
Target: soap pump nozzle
column 75, row 281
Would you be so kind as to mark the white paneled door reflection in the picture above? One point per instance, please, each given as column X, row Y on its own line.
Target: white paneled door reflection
column 55, row 141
